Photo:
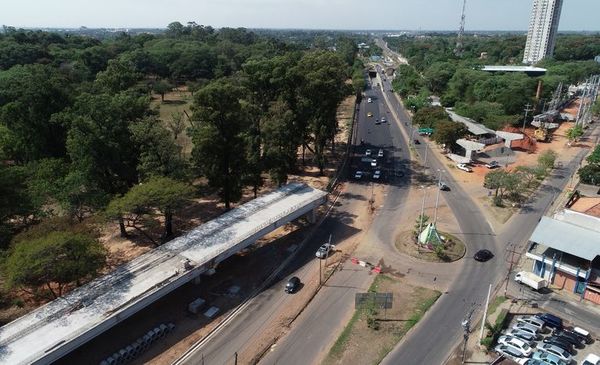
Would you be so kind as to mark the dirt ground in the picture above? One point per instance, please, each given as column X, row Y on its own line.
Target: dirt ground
column 360, row 344
column 473, row 182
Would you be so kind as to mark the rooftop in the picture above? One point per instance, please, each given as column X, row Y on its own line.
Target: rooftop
column 514, row 68
column 561, row 235
column 474, row 127
column 58, row 323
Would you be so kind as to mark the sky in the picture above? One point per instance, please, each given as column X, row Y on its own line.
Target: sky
column 512, row 15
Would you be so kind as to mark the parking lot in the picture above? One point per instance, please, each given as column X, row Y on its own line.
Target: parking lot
column 576, row 348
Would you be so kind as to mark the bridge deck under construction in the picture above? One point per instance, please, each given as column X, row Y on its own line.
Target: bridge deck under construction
column 64, row 324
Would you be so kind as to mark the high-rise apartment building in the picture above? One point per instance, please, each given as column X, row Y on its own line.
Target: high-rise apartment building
column 543, row 26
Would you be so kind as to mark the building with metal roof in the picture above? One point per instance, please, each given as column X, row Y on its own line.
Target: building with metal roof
column 529, row 70
column 566, row 250
column 55, row 329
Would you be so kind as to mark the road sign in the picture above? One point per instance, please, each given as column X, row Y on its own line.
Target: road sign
column 381, row 300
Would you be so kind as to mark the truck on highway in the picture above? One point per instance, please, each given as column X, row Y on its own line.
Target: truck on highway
column 531, row 280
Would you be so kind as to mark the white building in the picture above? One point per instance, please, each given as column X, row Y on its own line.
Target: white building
column 543, row 26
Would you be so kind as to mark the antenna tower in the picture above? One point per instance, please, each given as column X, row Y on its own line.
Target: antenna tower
column 458, row 50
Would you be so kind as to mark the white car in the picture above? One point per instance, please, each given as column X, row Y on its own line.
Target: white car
column 373, row 163
column 380, row 153
column 516, row 342
column 324, row 250
column 591, row 359
column 464, row 167
column 555, row 350
column 376, row 174
column 532, row 320
column 383, row 120
column 525, row 327
column 368, row 153
column 369, row 100
column 510, row 352
column 358, row 175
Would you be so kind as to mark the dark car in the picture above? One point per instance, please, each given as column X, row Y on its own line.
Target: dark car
column 483, row 255
column 292, row 285
column 581, row 337
column 570, row 338
column 551, row 320
column 443, row 186
column 557, row 341
column 417, row 141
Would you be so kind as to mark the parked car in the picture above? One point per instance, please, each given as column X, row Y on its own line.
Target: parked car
column 373, row 163
column 556, row 341
column 548, row 358
column 530, row 362
column 562, row 354
column 464, row 167
column 509, row 352
column 324, row 250
column 483, row 255
column 380, row 153
column 591, row 359
column 583, row 334
column 526, row 336
column 532, row 320
column 570, row 337
column 358, row 175
column 368, row 152
column 551, row 320
column 492, row 165
column 521, row 345
column 369, row 100
column 292, row 285
column 377, row 174
column 520, row 326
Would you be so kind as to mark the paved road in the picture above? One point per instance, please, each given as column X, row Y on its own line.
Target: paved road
column 321, row 322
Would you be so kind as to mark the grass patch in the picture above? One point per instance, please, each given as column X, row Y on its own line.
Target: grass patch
column 454, row 250
column 361, row 342
column 496, row 303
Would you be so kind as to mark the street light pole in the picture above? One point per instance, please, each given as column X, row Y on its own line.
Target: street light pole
column 437, row 198
column 527, row 110
column 426, row 149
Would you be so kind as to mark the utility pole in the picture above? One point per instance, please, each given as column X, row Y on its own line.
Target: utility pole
column 527, row 110
column 422, row 211
column 510, row 248
column 487, row 302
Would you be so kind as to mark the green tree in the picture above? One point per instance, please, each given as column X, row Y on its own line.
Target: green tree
column 594, row 157
column 323, row 88
column 574, row 133
column 161, row 194
column 590, row 174
column 158, row 153
column 55, row 260
column 446, row 133
column 29, row 96
column 428, row 117
column 281, row 142
column 118, row 76
column 547, row 159
column 219, row 144
column 162, row 87
column 176, row 124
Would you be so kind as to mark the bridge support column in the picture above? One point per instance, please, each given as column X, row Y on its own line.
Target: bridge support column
column 312, row 216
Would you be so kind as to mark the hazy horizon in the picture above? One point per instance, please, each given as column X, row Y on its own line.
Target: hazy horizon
column 392, row 15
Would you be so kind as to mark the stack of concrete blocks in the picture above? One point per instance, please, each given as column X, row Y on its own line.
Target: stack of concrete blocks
column 130, row 352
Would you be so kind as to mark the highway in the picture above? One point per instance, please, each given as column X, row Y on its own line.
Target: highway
column 319, row 324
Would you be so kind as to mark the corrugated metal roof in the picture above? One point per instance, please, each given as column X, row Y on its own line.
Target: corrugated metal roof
column 567, row 237
column 579, row 219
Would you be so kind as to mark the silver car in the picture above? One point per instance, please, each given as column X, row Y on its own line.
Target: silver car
column 532, row 320
column 510, row 352
column 525, row 327
column 557, row 351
